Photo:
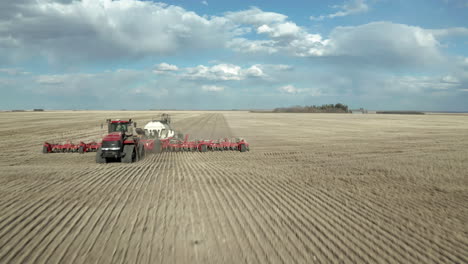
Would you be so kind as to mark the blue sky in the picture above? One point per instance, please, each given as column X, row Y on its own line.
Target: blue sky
column 130, row 54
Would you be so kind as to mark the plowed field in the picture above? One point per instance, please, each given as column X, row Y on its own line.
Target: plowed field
column 322, row 188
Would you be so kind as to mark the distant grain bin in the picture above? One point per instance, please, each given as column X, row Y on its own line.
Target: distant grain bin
column 359, row 111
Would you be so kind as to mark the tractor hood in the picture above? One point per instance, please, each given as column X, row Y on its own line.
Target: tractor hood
column 114, row 136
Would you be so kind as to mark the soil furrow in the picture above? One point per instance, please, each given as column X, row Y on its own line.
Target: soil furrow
column 114, row 182
column 93, row 187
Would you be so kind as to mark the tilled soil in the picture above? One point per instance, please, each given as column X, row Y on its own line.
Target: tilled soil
column 313, row 188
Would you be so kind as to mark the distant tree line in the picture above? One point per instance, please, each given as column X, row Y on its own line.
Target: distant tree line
column 326, row 108
column 401, row 112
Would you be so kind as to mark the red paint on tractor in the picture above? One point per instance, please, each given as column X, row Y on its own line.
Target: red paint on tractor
column 114, row 136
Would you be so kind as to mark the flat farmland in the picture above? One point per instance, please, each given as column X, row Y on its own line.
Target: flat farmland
column 314, row 188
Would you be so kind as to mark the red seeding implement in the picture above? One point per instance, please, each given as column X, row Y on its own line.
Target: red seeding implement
column 126, row 143
column 175, row 145
column 70, row 147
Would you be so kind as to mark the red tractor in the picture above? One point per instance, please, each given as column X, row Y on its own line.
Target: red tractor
column 121, row 144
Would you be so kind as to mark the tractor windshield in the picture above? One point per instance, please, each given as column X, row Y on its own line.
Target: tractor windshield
column 118, row 127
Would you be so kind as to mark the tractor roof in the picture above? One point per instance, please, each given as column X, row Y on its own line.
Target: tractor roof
column 120, row 121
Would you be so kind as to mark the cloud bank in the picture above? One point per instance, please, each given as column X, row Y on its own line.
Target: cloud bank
column 58, row 51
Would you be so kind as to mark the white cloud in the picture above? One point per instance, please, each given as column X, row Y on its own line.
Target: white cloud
column 212, row 88
column 222, row 72
column 13, row 71
column 51, row 79
column 419, row 84
column 143, row 89
column 280, row 30
column 286, row 37
column 307, row 45
column 205, row 3
column 255, row 16
column 81, row 84
column 450, row 79
column 163, row 68
column 448, row 32
column 281, row 67
column 56, row 31
column 254, row 71
column 351, row 7
column 385, row 43
column 105, row 29
column 379, row 43
column 289, row 89
column 144, row 83
column 217, row 72
column 244, row 45
column 364, row 60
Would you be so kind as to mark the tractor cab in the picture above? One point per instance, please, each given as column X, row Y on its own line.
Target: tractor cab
column 122, row 126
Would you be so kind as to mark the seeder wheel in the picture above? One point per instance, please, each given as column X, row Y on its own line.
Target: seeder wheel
column 203, row 148
column 243, row 148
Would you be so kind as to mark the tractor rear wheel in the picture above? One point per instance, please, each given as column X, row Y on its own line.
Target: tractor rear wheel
column 129, row 151
column 99, row 158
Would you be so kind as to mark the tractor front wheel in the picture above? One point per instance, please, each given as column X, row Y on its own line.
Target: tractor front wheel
column 99, row 158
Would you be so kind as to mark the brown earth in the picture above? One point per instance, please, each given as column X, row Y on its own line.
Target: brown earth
column 322, row 188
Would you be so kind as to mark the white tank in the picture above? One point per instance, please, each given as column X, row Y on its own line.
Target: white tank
column 157, row 128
